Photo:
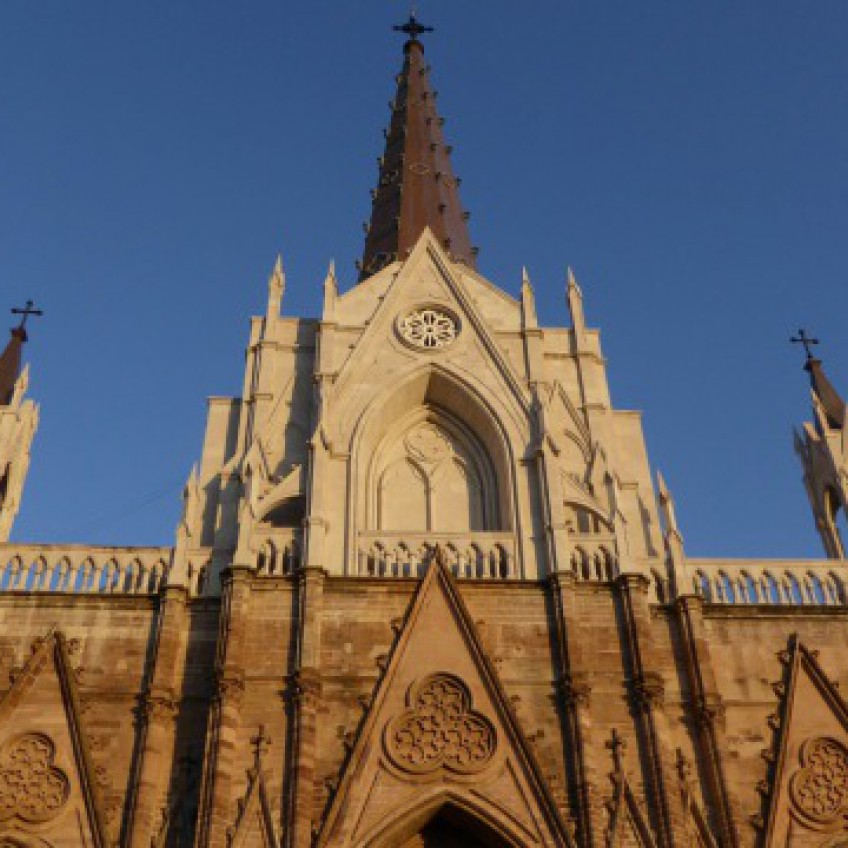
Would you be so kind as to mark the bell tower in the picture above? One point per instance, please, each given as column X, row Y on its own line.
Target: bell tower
column 822, row 446
column 18, row 422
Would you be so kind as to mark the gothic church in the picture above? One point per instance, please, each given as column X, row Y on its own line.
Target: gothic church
column 425, row 591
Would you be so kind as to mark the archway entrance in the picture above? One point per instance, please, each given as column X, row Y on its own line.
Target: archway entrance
column 448, row 830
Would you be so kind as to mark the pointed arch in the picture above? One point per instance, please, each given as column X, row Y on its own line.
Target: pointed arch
column 467, row 409
column 473, row 814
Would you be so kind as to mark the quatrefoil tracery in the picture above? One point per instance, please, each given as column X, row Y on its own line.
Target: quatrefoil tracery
column 440, row 730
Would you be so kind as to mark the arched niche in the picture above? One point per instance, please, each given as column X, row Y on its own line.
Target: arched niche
column 398, row 443
column 431, row 474
column 448, row 821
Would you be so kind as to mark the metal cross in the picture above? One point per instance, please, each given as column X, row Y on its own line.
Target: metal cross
column 413, row 28
column 25, row 313
column 803, row 339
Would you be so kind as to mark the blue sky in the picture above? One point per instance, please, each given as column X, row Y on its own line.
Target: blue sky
column 688, row 159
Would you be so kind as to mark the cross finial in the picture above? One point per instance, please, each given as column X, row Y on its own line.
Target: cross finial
column 25, row 313
column 413, row 28
column 616, row 744
column 803, row 339
column 260, row 743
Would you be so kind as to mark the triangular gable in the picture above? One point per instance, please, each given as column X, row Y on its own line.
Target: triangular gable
column 45, row 766
column 440, row 732
column 807, row 789
column 627, row 824
column 443, row 283
column 254, row 825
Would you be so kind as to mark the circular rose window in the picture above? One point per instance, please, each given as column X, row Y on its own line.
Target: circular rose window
column 428, row 328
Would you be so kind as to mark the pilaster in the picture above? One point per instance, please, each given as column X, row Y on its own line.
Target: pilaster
column 157, row 713
column 305, row 690
column 574, row 687
column 647, row 694
column 707, row 713
column 225, row 715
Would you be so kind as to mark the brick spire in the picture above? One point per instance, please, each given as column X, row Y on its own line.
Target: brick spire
column 417, row 188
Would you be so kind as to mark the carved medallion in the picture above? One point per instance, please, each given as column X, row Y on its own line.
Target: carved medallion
column 428, row 444
column 428, row 328
column 440, row 730
column 31, row 787
column 819, row 790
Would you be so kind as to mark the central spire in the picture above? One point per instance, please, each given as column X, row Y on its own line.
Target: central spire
column 417, row 188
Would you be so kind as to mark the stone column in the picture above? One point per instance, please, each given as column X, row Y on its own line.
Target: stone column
column 157, row 713
column 647, row 696
column 707, row 712
column 216, row 807
column 575, row 690
column 306, row 697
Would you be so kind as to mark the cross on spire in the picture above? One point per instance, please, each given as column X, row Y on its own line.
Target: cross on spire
column 25, row 313
column 803, row 339
column 413, row 28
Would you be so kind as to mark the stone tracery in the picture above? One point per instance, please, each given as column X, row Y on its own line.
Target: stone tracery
column 441, row 730
column 819, row 789
column 31, row 787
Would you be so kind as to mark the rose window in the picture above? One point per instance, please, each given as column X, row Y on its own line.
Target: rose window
column 428, row 328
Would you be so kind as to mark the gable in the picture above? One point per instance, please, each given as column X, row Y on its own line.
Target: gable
column 47, row 783
column 386, row 352
column 440, row 734
column 807, row 788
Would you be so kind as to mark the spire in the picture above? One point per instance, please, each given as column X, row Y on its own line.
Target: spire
column 10, row 360
column 831, row 401
column 416, row 187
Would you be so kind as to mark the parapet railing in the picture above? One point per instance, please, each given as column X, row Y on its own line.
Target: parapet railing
column 778, row 582
column 475, row 556
column 593, row 556
column 83, row 569
column 279, row 551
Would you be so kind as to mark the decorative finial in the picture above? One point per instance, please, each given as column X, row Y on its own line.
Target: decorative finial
column 261, row 742
column 803, row 339
column 25, row 313
column 617, row 746
column 413, row 28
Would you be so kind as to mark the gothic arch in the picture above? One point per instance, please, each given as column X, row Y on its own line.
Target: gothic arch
column 434, row 389
column 490, row 824
column 430, row 473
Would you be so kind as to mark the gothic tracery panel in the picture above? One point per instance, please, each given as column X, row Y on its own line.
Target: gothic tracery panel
column 440, row 730
column 819, row 788
column 31, row 787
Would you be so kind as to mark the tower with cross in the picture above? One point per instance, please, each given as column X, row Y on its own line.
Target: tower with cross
column 18, row 420
column 822, row 447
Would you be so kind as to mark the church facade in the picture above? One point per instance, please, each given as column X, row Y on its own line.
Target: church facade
column 425, row 591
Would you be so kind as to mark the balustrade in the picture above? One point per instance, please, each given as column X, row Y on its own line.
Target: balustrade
column 593, row 556
column 82, row 569
column 780, row 582
column 473, row 556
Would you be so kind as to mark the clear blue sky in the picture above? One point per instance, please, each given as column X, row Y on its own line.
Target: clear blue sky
column 689, row 159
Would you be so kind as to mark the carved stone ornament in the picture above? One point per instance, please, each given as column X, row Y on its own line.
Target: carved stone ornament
column 428, row 444
column 428, row 328
column 440, row 730
column 31, row 787
column 819, row 789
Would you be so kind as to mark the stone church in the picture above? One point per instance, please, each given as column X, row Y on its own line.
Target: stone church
column 424, row 591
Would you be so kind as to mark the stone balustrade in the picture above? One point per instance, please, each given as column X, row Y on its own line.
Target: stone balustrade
column 782, row 582
column 278, row 552
column 593, row 556
column 474, row 556
column 83, row 569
